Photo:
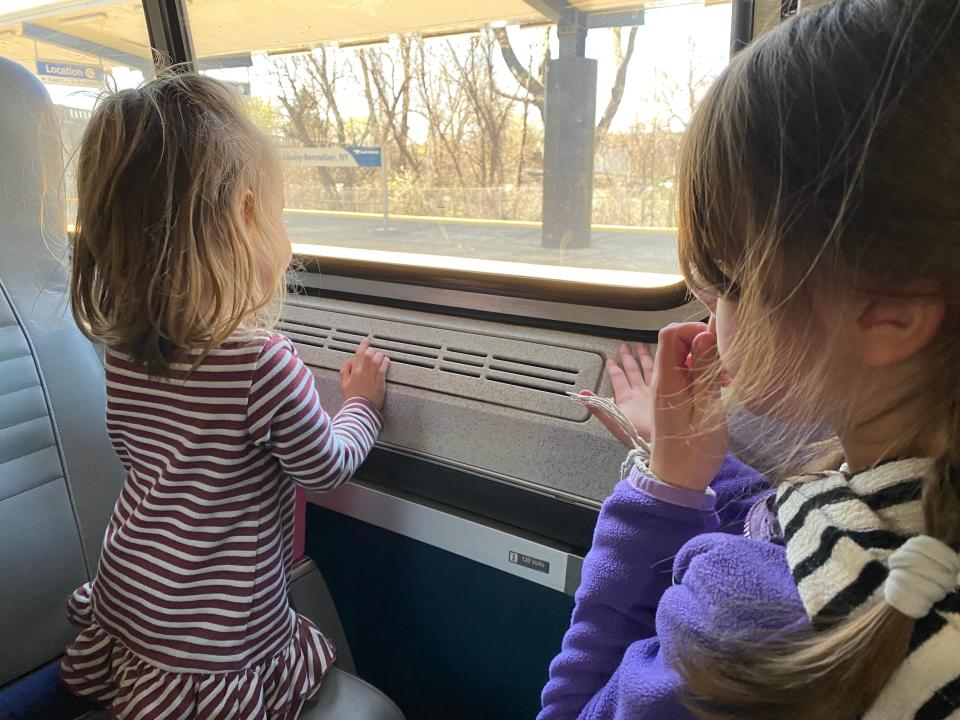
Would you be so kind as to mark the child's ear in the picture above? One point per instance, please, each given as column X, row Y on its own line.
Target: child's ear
column 246, row 207
column 892, row 330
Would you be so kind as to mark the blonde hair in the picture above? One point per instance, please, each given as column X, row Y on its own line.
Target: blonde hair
column 820, row 169
column 167, row 257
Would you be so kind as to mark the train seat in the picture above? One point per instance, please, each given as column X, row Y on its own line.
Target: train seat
column 59, row 477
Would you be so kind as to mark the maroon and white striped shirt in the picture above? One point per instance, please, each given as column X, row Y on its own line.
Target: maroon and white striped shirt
column 189, row 606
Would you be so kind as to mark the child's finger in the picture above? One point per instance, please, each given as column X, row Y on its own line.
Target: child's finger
column 703, row 351
column 383, row 367
column 346, row 370
column 702, row 370
column 618, row 378
column 646, row 361
column 609, row 424
column 630, row 367
column 364, row 346
column 673, row 348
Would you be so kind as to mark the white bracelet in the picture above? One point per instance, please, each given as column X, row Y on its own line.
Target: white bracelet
column 637, row 458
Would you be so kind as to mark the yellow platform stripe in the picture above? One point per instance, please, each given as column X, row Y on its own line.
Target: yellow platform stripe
column 470, row 221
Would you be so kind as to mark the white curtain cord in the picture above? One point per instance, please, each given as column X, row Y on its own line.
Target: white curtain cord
column 608, row 407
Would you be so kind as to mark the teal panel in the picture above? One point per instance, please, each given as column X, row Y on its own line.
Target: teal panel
column 447, row 638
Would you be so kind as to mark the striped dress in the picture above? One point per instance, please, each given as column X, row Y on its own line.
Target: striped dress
column 188, row 615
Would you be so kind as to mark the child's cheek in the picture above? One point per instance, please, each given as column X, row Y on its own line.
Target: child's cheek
column 724, row 323
column 730, row 366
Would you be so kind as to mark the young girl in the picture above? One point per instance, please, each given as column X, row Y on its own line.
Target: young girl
column 820, row 222
column 178, row 259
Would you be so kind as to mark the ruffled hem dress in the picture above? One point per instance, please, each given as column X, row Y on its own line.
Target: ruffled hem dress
column 100, row 667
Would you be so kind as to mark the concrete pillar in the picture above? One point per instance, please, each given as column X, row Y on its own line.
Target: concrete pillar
column 570, row 123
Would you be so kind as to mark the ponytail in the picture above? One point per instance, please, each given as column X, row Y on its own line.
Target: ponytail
column 830, row 674
column 834, row 674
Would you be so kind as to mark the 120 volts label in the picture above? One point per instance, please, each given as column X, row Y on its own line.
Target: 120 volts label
column 528, row 562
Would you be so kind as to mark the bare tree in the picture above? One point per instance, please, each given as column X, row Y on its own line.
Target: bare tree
column 457, row 140
column 530, row 81
column 620, row 78
column 390, row 92
column 491, row 109
column 443, row 106
column 678, row 99
column 306, row 122
column 533, row 81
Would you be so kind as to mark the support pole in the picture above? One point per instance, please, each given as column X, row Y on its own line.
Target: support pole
column 384, row 188
column 570, row 121
column 741, row 25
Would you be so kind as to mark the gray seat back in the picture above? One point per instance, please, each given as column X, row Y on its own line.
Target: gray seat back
column 59, row 477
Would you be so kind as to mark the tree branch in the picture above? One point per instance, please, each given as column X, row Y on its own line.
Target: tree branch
column 523, row 76
column 619, row 83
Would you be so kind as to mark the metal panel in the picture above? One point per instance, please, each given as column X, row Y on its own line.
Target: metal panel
column 624, row 18
column 529, row 376
column 519, row 446
column 469, row 537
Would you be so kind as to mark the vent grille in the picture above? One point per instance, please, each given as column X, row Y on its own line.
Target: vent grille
column 501, row 371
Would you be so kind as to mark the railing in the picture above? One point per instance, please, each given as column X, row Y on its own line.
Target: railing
column 616, row 205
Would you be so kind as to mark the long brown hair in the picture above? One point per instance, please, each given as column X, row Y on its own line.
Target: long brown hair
column 164, row 257
column 822, row 167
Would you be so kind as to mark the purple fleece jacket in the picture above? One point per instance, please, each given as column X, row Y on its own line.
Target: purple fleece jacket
column 632, row 613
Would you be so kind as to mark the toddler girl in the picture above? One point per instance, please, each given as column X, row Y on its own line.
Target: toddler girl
column 178, row 263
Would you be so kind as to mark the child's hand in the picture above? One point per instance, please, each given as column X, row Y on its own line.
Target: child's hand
column 365, row 375
column 632, row 392
column 689, row 441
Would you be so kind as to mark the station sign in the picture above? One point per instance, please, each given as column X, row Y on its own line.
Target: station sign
column 69, row 73
column 347, row 156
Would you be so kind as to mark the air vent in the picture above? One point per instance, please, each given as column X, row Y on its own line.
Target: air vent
column 501, row 371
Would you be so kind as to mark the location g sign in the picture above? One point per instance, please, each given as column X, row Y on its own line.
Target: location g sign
column 69, row 73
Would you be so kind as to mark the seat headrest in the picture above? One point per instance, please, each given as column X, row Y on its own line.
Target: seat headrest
column 31, row 154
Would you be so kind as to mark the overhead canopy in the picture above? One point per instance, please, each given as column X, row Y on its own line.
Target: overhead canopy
column 108, row 34
column 112, row 33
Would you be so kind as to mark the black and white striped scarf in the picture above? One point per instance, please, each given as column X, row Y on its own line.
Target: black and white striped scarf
column 840, row 529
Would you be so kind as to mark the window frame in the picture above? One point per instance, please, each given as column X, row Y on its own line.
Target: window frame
column 606, row 296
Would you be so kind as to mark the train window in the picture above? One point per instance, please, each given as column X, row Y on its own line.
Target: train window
column 77, row 49
column 535, row 141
